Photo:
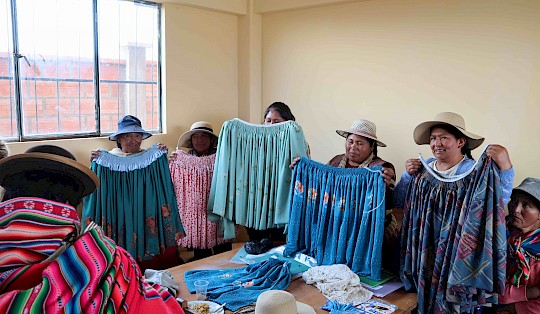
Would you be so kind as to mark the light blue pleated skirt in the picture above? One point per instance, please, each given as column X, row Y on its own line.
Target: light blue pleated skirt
column 251, row 182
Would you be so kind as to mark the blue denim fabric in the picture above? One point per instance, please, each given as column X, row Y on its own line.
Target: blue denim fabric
column 337, row 216
column 239, row 287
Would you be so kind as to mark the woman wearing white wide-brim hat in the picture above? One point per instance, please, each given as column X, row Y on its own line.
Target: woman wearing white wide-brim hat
column 451, row 145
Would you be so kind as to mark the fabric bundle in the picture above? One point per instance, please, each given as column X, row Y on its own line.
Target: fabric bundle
column 251, row 182
column 135, row 202
column 239, row 287
column 454, row 239
column 337, row 283
column 337, row 216
column 192, row 177
column 92, row 275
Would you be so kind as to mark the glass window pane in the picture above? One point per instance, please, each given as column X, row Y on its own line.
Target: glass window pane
column 128, row 49
column 56, row 40
column 8, row 122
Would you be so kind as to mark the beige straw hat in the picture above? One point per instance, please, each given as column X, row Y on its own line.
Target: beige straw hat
column 363, row 128
column 199, row 126
column 280, row 302
column 422, row 132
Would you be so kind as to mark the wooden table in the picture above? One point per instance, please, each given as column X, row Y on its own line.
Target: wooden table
column 308, row 294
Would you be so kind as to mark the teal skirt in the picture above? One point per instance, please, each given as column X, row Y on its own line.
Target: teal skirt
column 135, row 203
column 252, row 178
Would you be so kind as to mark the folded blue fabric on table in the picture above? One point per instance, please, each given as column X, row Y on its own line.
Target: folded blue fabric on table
column 239, row 287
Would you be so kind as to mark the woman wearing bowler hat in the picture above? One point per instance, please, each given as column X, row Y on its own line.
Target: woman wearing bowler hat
column 136, row 204
column 523, row 263
column 128, row 138
column 48, row 262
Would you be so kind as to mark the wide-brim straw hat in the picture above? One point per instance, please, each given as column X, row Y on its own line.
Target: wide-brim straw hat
column 129, row 124
column 282, row 302
column 531, row 187
column 422, row 132
column 50, row 165
column 199, row 126
column 363, row 128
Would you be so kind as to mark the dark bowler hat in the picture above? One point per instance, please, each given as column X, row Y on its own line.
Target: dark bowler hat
column 48, row 160
column 129, row 124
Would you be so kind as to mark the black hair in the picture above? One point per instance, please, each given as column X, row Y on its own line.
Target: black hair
column 465, row 149
column 44, row 184
column 4, row 151
column 284, row 111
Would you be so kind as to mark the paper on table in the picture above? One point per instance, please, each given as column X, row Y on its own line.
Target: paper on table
column 384, row 289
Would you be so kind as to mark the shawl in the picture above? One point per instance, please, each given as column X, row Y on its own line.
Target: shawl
column 337, row 216
column 135, row 203
column 454, row 240
column 251, row 181
column 191, row 177
column 521, row 248
column 47, row 266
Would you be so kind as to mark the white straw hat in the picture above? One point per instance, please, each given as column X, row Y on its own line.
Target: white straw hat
column 363, row 128
column 199, row 126
column 280, row 302
column 422, row 132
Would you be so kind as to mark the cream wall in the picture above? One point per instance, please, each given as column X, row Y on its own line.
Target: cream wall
column 395, row 62
column 399, row 62
column 200, row 76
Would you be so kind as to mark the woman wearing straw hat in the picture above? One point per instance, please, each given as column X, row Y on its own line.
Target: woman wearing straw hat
column 43, row 244
column 451, row 145
column 200, row 139
column 361, row 150
column 361, row 144
column 191, row 173
column 523, row 266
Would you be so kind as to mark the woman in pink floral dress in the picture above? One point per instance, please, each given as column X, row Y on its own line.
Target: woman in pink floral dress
column 191, row 173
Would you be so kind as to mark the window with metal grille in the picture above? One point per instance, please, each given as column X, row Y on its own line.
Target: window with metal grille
column 73, row 68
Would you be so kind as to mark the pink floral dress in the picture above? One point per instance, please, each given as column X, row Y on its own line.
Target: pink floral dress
column 192, row 177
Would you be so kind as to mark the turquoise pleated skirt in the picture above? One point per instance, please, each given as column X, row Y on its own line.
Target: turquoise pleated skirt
column 135, row 203
column 251, row 182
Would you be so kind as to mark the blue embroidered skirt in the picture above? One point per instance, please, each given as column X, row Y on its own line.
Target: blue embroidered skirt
column 454, row 241
column 239, row 287
column 135, row 203
column 337, row 216
column 251, row 181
